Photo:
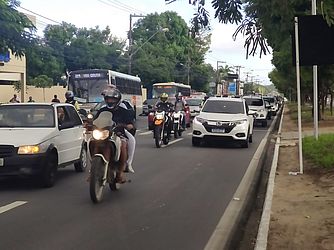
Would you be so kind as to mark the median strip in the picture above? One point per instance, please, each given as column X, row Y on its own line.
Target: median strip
column 11, row 206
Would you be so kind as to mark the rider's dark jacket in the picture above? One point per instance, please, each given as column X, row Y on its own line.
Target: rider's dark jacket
column 119, row 115
column 164, row 106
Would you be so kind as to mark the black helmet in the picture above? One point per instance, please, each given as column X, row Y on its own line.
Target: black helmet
column 69, row 95
column 112, row 97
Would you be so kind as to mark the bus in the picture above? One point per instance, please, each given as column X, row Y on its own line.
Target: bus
column 87, row 86
column 171, row 88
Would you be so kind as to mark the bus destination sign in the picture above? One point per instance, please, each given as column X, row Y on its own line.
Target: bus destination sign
column 89, row 75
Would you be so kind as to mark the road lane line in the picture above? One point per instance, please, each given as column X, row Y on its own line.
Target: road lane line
column 190, row 133
column 11, row 206
column 146, row 133
column 172, row 142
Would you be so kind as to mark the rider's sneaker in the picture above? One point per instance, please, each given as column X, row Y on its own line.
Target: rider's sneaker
column 129, row 168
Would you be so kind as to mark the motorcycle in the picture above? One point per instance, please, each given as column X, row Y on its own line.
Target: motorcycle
column 105, row 156
column 177, row 124
column 161, row 128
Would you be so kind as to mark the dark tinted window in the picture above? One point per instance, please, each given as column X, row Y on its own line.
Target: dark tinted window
column 254, row 101
column 30, row 116
column 74, row 116
column 269, row 99
column 224, row 107
column 194, row 102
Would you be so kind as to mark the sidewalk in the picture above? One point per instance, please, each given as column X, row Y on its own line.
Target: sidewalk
column 302, row 206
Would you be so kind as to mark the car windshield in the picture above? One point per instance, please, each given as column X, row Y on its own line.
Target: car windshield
column 269, row 99
column 194, row 102
column 224, row 107
column 27, row 116
column 254, row 101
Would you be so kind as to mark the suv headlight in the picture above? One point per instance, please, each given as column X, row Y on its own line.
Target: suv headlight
column 241, row 122
column 100, row 135
column 200, row 120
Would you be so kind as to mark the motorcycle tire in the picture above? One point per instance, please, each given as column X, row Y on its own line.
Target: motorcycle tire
column 176, row 131
column 165, row 137
column 113, row 185
column 157, row 136
column 96, row 180
column 180, row 133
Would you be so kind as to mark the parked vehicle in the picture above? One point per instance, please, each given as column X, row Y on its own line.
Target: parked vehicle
column 225, row 119
column 162, row 128
column 38, row 138
column 105, row 155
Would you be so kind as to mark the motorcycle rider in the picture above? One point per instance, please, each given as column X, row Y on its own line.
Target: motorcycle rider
column 180, row 106
column 165, row 105
column 122, row 117
column 130, row 130
column 70, row 99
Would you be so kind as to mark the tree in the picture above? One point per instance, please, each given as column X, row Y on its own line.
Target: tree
column 42, row 81
column 167, row 56
column 16, row 30
column 252, row 23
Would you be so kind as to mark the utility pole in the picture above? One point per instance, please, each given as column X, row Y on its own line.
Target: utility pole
column 238, row 67
column 131, row 42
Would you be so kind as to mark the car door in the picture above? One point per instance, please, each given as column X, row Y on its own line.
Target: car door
column 68, row 140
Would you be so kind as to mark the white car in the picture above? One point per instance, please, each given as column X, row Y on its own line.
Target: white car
column 37, row 138
column 194, row 105
column 223, row 118
column 257, row 104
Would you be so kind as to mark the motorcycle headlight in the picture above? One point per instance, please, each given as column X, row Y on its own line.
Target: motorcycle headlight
column 90, row 116
column 100, row 135
column 159, row 116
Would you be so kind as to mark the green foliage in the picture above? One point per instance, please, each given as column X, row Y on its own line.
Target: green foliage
column 16, row 30
column 320, row 151
column 42, row 81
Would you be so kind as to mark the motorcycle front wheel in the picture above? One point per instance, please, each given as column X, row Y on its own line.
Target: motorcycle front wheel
column 157, row 136
column 176, row 130
column 96, row 183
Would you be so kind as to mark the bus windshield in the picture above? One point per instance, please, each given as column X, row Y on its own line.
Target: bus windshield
column 158, row 90
column 88, row 90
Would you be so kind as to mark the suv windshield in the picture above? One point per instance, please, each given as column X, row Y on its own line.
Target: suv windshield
column 28, row 116
column 224, row 107
column 269, row 99
column 254, row 101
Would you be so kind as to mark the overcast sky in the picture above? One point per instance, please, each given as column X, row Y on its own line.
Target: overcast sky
column 116, row 14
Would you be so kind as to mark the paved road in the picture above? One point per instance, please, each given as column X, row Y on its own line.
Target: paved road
column 173, row 201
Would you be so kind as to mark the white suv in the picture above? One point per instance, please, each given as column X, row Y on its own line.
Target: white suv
column 223, row 118
column 257, row 104
column 37, row 138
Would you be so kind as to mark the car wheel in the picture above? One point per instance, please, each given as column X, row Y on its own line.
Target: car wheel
column 264, row 123
column 245, row 143
column 196, row 142
column 81, row 165
column 48, row 175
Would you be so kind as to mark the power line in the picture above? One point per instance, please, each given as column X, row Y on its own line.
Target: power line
column 40, row 15
column 125, row 6
column 116, row 6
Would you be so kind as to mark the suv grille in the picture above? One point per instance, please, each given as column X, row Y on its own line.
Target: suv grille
column 228, row 126
column 7, row 150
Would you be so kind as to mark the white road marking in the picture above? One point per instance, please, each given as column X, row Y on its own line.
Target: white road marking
column 11, row 206
column 172, row 142
column 146, row 133
column 190, row 133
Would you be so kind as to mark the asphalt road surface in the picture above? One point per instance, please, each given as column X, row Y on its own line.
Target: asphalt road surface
column 174, row 201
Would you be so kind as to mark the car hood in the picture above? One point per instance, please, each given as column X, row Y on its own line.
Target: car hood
column 26, row 136
column 222, row 117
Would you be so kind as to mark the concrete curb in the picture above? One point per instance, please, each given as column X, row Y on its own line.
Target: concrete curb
column 262, row 236
column 227, row 228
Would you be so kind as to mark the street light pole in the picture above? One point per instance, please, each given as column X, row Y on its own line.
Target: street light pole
column 131, row 54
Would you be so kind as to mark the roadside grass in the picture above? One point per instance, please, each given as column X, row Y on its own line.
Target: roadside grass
column 321, row 151
column 306, row 113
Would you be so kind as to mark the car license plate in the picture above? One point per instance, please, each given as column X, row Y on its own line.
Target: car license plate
column 2, row 162
column 218, row 130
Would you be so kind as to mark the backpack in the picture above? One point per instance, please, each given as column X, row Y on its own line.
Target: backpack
column 130, row 108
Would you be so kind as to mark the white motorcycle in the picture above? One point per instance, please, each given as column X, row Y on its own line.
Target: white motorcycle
column 177, row 124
